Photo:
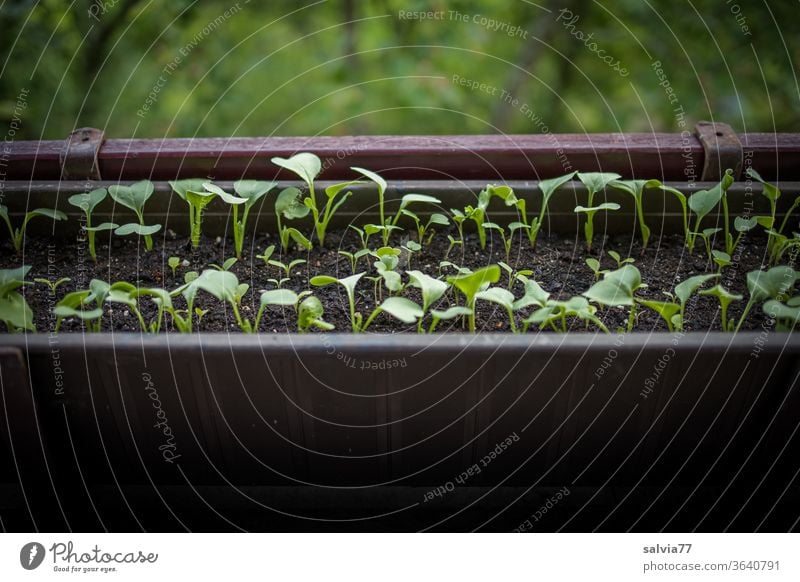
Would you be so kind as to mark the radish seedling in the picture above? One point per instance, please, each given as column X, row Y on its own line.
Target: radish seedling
column 471, row 284
column 225, row 286
column 308, row 166
column 521, row 275
column 353, row 258
column 87, row 202
column 226, row 266
column 507, row 239
column 435, row 218
column 14, row 310
column 617, row 288
column 548, row 188
column 52, row 285
column 595, row 182
column 410, row 199
column 287, row 269
column 556, row 314
column 18, row 234
column 721, row 259
column 196, row 202
column 309, row 314
column 251, row 191
column 786, row 316
column 174, row 263
column 381, row 184
column 725, row 298
column 430, row 288
column 135, row 197
column 447, row 314
column 635, row 188
column 268, row 252
column 75, row 305
column 588, row 227
column 594, row 265
column 684, row 291
column 502, row 297
column 681, row 199
column 277, row 297
column 775, row 283
column 703, row 201
column 349, row 285
column 289, row 206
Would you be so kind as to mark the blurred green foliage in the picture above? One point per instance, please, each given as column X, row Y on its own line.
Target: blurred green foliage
column 346, row 67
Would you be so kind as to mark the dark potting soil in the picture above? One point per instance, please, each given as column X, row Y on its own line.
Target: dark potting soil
column 558, row 265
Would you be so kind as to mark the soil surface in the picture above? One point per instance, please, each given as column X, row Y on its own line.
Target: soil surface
column 558, row 265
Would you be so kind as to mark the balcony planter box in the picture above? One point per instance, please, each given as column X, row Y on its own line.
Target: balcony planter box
column 429, row 418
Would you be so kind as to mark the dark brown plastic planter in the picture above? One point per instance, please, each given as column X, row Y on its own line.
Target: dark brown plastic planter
column 345, row 415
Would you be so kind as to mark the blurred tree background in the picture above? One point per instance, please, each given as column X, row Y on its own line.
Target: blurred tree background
column 279, row 67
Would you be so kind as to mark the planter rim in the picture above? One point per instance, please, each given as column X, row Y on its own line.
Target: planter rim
column 449, row 341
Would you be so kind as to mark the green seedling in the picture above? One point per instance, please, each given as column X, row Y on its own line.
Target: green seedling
column 14, row 310
column 52, row 285
column 783, row 245
column 772, row 193
column 189, row 292
column 594, row 265
column 410, row 199
column 776, row 283
column 386, row 265
column 135, row 197
column 308, row 166
column 17, row 235
column 225, row 286
column 174, row 263
column 277, row 297
column 197, row 202
column 124, row 293
column 381, row 185
column 619, row 260
column 588, row 227
column 725, row 298
column 458, row 219
column 251, row 191
column 502, row 297
column 349, row 285
column 287, row 269
column 226, row 266
column 268, row 252
column 721, row 259
column 668, row 310
column 681, row 199
column 76, row 304
column 744, row 225
column 450, row 265
column 289, row 206
column 635, row 188
column 469, row 285
column 400, row 308
column 309, row 314
column 507, row 239
column 617, row 288
column 595, row 182
column 706, row 236
column 87, row 203
column 513, row 275
column 704, row 201
column 407, row 251
column 200, row 313
column 447, row 314
column 557, row 313
column 423, row 228
column 786, row 316
column 431, row 289
column 353, row 258
column 453, row 243
column 548, row 188
column 683, row 292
